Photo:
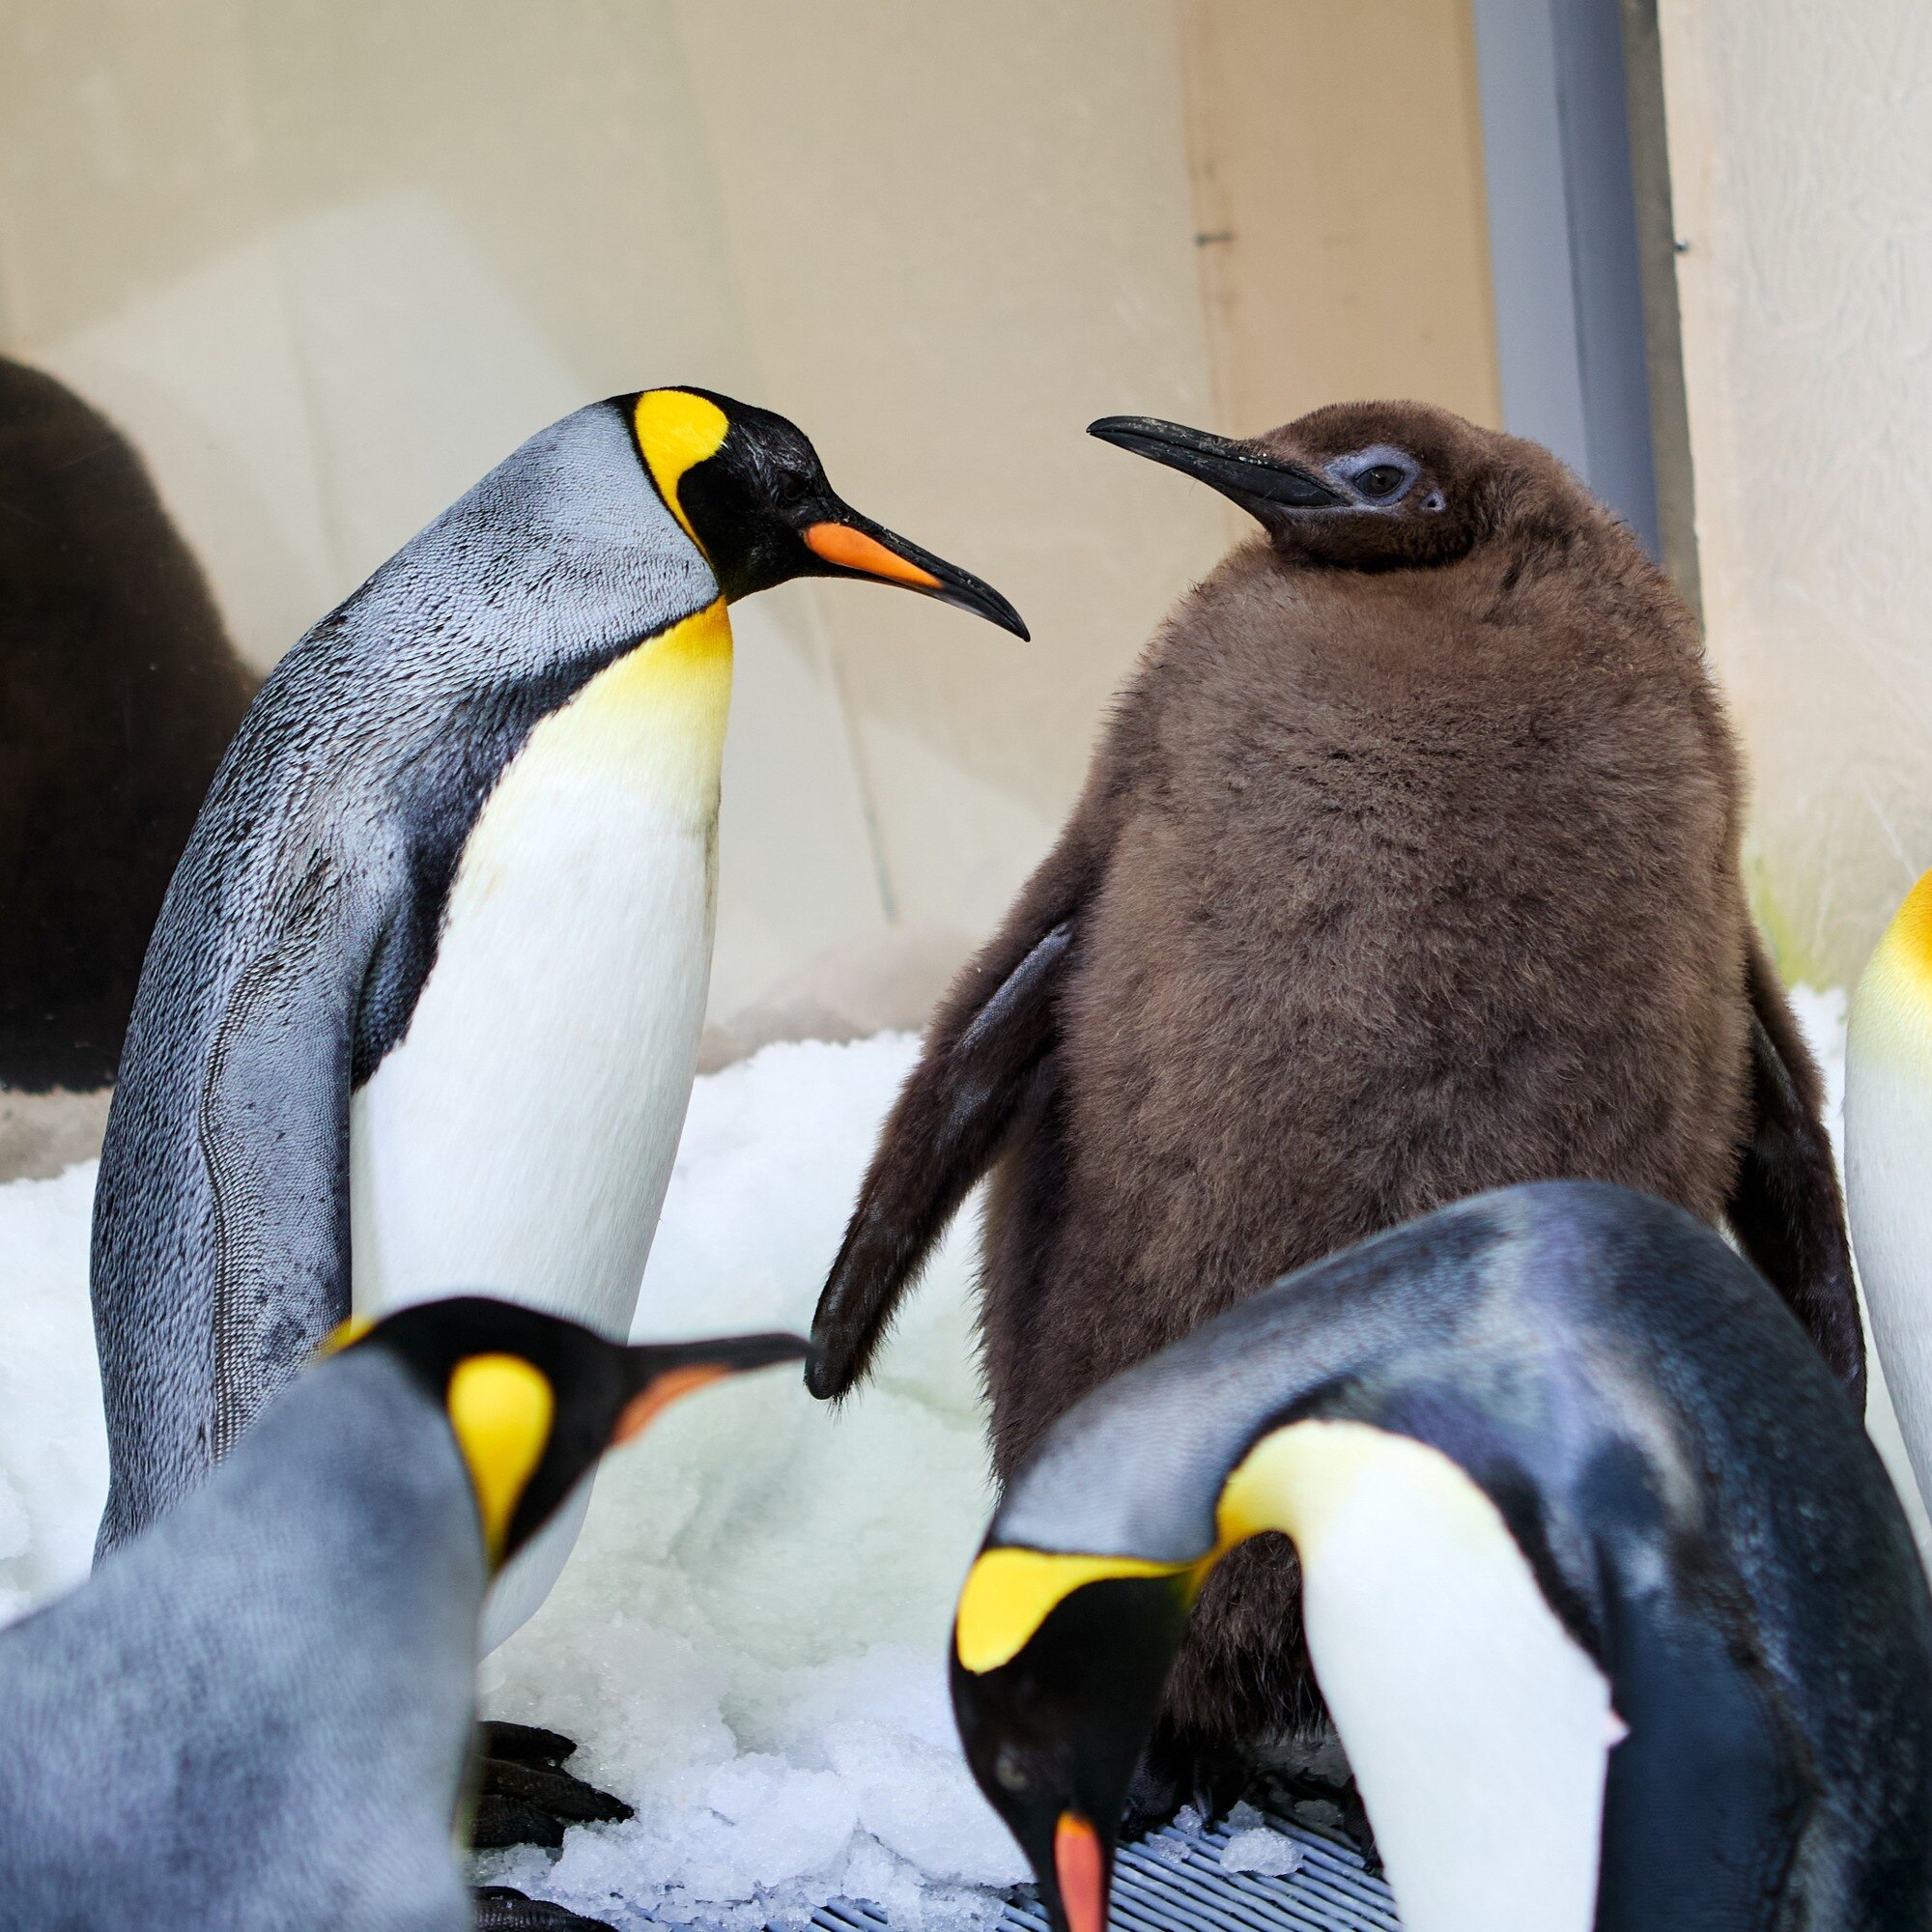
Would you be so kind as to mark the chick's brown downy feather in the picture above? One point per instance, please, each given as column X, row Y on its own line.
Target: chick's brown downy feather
column 1407, row 868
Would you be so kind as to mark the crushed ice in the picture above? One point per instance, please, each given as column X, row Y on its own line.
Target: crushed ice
column 749, row 1640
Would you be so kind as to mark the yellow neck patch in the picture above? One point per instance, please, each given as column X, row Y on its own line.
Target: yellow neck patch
column 676, row 431
column 344, row 1335
column 1891, row 1009
column 1010, row 1593
column 1907, row 945
column 501, row 1409
column 1295, row 1479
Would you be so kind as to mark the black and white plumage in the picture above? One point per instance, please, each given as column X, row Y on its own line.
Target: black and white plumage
column 1619, row 1619
column 424, row 1000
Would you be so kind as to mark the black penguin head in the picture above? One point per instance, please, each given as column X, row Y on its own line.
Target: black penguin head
column 1058, row 1666
column 535, row 1400
column 750, row 492
column 1367, row 486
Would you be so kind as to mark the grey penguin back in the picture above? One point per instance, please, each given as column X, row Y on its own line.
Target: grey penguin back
column 256, row 1715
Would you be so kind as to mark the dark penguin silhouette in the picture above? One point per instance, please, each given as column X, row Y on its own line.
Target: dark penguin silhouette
column 1407, row 868
column 1619, row 1616
column 118, row 693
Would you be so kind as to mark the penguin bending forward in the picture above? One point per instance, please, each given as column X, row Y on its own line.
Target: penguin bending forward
column 424, row 1000
column 256, row 1715
column 1619, row 1618
column 1889, row 1163
column 1407, row 868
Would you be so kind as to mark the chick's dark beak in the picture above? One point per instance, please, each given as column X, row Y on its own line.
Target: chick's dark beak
column 669, row 1372
column 1250, row 475
column 849, row 544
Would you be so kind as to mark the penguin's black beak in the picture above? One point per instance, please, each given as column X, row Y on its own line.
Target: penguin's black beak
column 1258, row 481
column 665, row 1372
column 849, row 544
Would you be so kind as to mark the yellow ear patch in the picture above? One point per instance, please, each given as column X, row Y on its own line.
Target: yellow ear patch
column 677, row 430
column 500, row 1408
column 1010, row 1593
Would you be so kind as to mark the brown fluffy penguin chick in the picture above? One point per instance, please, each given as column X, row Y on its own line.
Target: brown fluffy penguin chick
column 1407, row 868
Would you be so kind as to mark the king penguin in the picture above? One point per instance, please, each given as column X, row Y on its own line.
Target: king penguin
column 1620, row 1621
column 256, row 1715
column 424, row 1000
column 1408, row 867
column 1889, row 1163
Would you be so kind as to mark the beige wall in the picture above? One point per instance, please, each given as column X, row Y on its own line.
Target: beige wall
column 1338, row 163
column 327, row 260
column 1801, row 153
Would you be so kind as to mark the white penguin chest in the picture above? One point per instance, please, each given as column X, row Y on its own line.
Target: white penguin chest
column 1887, row 1141
column 1478, row 1730
column 519, row 1138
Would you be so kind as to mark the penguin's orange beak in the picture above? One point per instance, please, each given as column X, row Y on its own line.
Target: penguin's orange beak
column 1079, row 1871
column 667, row 1372
column 854, row 549
column 848, row 544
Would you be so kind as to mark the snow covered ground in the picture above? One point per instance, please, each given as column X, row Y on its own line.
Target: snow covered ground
column 749, row 1640
column 750, row 1637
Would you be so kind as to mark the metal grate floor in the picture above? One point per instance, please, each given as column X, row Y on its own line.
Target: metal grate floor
column 1187, row 1890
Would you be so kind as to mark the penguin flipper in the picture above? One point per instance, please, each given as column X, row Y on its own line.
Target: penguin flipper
column 274, row 1128
column 984, row 1062
column 1786, row 1206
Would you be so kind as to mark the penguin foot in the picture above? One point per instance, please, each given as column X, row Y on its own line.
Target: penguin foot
column 1177, row 1771
column 1152, row 1799
column 500, row 1908
column 523, row 1797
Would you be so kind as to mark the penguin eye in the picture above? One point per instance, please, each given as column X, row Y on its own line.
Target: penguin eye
column 1380, row 479
column 1009, row 1771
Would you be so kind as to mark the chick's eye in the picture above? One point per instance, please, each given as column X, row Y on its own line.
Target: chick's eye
column 1379, row 479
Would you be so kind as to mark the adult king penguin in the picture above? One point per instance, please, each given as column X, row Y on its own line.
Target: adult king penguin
column 424, row 999
column 1888, row 1172
column 257, row 1714
column 1620, row 1620
column 1408, row 867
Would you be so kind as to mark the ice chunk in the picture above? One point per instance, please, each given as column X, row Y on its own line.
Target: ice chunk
column 1260, row 1850
column 53, row 1444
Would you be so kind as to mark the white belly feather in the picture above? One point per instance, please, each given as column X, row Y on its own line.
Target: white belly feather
column 1479, row 1731
column 1888, row 1163
column 519, row 1139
